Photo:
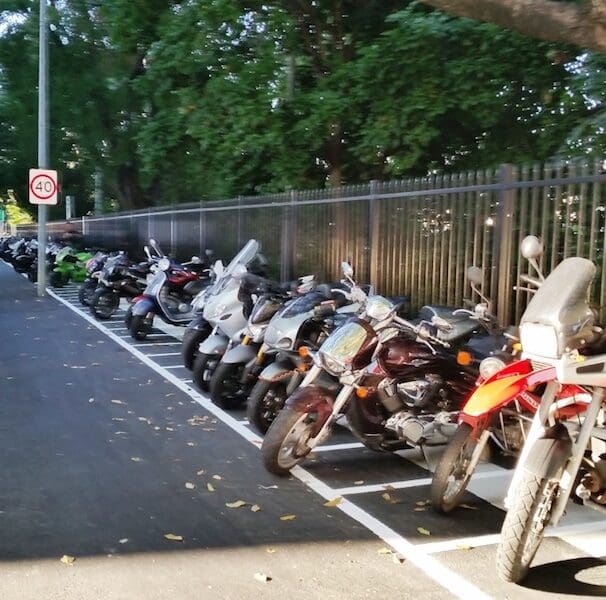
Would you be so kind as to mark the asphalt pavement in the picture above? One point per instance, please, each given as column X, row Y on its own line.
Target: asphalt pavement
column 107, row 451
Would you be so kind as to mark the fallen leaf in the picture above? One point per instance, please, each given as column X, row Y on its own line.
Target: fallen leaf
column 91, row 399
column 255, row 508
column 385, row 550
column 217, row 477
column 270, row 550
column 334, row 502
column 190, row 486
column 423, row 531
column 389, row 488
column 189, row 443
column 173, row 538
column 236, row 504
column 170, row 429
column 67, row 559
column 360, row 482
column 419, row 509
column 423, row 503
column 118, row 419
column 387, row 497
column 117, row 402
column 135, row 459
column 468, row 507
column 123, row 541
column 288, row 517
column 210, row 487
column 398, row 559
column 268, row 487
column 464, row 547
column 200, row 472
column 262, row 577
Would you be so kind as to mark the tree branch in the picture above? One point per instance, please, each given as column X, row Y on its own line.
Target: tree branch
column 580, row 23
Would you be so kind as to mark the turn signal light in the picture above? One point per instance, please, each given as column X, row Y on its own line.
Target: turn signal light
column 304, row 351
column 464, row 358
column 362, row 392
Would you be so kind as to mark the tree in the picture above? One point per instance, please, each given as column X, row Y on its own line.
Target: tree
column 578, row 22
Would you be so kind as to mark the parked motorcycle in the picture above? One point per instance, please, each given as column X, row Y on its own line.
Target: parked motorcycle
column 168, row 294
column 563, row 454
column 119, row 278
column 227, row 306
column 70, row 265
column 305, row 322
column 401, row 384
column 240, row 366
column 93, row 270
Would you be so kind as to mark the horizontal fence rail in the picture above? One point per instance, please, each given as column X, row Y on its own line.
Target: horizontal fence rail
column 413, row 237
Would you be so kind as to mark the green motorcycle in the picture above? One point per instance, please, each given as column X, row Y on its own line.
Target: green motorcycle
column 70, row 265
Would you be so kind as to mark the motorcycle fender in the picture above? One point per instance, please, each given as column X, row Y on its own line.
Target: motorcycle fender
column 277, row 370
column 240, row 354
column 214, row 344
column 497, row 392
column 550, row 453
column 313, row 399
column 144, row 306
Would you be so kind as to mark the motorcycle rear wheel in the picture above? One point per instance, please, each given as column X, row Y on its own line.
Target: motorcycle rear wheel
column 140, row 326
column 265, row 402
column 524, row 526
column 104, row 303
column 452, row 475
column 225, row 387
column 204, row 367
column 284, row 445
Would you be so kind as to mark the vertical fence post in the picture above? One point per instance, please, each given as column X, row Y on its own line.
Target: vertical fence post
column 374, row 272
column 240, row 222
column 503, row 246
column 173, row 235
column 287, row 238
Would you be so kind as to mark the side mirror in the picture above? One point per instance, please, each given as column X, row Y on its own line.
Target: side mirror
column 347, row 269
column 325, row 309
column 147, row 252
column 475, row 275
column 531, row 247
column 195, row 260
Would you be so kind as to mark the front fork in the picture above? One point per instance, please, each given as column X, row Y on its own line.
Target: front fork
column 340, row 401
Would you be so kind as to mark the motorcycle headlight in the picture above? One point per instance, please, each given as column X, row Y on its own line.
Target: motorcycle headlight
column 284, row 343
column 164, row 264
column 489, row 366
column 540, row 340
column 213, row 311
column 333, row 366
column 378, row 308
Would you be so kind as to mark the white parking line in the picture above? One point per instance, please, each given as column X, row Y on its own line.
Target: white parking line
column 333, row 447
column 152, row 344
column 451, row 581
column 149, row 335
column 166, row 354
column 172, row 366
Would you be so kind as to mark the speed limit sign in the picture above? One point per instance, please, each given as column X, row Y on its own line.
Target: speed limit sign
column 43, row 186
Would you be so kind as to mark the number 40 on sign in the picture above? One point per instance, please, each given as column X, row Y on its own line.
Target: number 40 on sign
column 43, row 186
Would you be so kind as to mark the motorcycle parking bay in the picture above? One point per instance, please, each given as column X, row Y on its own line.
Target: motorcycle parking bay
column 103, row 433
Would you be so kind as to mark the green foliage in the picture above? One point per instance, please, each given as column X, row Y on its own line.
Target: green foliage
column 16, row 215
column 202, row 99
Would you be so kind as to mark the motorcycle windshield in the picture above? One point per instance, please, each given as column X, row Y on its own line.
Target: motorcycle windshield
column 242, row 259
column 302, row 305
column 346, row 347
column 558, row 317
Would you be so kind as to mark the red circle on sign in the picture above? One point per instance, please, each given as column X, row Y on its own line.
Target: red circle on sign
column 53, row 186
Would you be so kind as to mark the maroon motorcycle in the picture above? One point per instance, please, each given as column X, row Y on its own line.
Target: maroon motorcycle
column 400, row 382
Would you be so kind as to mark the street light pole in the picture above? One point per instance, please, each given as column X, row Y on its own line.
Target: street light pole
column 42, row 138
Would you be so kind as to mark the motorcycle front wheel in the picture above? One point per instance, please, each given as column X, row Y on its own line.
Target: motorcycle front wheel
column 104, row 303
column 452, row 474
column 140, row 326
column 265, row 402
column 285, row 443
column 226, row 388
column 524, row 526
column 204, row 367
column 87, row 292
column 189, row 346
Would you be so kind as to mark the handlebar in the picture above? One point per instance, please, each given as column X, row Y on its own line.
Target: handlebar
column 530, row 280
column 421, row 332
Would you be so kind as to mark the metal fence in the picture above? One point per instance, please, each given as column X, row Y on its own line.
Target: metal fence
column 414, row 237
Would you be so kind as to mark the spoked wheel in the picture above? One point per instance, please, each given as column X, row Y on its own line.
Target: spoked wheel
column 204, row 367
column 140, row 326
column 104, row 303
column 226, row 387
column 524, row 526
column 453, row 471
column 265, row 402
column 285, row 444
column 86, row 292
